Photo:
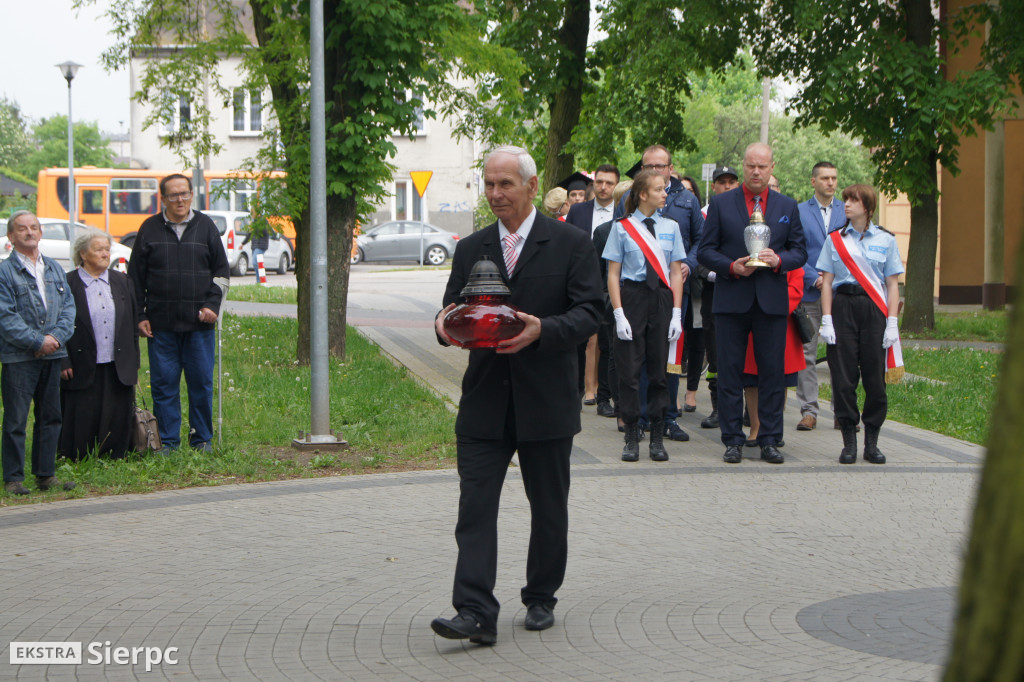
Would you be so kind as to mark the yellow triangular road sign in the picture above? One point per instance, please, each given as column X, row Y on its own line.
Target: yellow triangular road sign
column 421, row 179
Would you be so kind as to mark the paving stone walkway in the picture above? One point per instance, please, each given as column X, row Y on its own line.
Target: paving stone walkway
column 686, row 570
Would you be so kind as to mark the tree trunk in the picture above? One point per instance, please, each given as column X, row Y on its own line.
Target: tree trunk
column 567, row 102
column 341, row 216
column 989, row 639
column 919, row 311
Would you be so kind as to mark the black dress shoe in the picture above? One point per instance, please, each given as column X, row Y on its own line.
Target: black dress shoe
column 463, row 627
column 539, row 617
column 771, row 454
column 605, row 409
column 752, row 443
column 732, row 455
column 590, row 401
column 689, row 408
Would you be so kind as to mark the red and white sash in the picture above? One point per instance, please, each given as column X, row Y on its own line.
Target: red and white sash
column 859, row 267
column 649, row 246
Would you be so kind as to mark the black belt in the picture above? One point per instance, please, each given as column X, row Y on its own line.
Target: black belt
column 633, row 283
column 852, row 290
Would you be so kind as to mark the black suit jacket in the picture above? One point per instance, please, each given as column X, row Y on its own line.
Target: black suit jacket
column 582, row 215
column 82, row 344
column 557, row 280
column 722, row 244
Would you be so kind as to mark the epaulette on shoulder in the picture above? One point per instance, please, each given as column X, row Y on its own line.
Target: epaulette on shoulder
column 885, row 230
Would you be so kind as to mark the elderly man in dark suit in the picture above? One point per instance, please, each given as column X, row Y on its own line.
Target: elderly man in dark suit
column 752, row 300
column 521, row 397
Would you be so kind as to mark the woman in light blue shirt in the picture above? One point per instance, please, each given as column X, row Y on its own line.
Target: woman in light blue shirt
column 860, row 276
column 645, row 285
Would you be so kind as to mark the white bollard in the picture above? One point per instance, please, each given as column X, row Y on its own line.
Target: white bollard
column 261, row 272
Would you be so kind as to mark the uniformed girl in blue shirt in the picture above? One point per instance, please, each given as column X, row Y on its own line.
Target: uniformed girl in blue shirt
column 646, row 309
column 853, row 324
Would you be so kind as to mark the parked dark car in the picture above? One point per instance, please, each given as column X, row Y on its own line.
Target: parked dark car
column 405, row 240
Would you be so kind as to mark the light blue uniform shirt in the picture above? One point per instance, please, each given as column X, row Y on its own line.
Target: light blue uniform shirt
column 622, row 249
column 878, row 247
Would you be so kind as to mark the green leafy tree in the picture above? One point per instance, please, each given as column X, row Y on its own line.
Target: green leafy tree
column 874, row 70
column 14, row 137
column 386, row 62
column 50, row 146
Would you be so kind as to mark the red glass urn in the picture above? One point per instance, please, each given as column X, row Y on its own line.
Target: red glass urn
column 485, row 318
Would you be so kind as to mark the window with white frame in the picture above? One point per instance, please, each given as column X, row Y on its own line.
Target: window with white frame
column 177, row 114
column 407, row 203
column 248, row 111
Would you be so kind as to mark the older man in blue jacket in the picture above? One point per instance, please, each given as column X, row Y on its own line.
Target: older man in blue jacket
column 37, row 317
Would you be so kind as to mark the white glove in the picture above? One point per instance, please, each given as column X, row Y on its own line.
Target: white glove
column 892, row 332
column 622, row 328
column 675, row 325
column 827, row 331
column 712, row 276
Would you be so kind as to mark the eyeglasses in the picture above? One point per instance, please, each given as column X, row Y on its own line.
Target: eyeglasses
column 656, row 166
column 181, row 196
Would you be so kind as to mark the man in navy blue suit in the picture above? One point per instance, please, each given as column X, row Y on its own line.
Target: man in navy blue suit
column 819, row 215
column 587, row 215
column 752, row 299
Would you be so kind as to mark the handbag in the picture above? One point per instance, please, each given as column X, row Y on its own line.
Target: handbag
column 145, row 434
column 803, row 323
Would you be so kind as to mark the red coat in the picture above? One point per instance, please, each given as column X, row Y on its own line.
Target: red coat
column 794, row 346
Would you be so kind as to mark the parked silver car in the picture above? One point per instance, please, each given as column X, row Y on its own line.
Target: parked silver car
column 56, row 242
column 233, row 227
column 405, row 240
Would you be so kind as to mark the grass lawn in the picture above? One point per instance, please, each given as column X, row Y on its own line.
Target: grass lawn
column 978, row 325
column 255, row 293
column 960, row 407
column 391, row 422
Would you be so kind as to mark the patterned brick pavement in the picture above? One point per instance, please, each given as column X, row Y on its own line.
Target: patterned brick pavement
column 686, row 570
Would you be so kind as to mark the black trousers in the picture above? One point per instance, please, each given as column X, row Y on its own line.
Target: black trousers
column 607, row 380
column 648, row 313
column 732, row 330
column 693, row 350
column 482, row 467
column 708, row 321
column 858, row 356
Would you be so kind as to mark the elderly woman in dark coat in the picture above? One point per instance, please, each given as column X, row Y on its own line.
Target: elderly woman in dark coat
column 102, row 367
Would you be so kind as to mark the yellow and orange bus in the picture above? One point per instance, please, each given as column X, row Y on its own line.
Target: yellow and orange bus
column 117, row 200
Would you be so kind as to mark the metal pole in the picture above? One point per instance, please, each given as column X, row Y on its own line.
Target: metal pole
column 319, row 368
column 223, row 283
column 72, row 194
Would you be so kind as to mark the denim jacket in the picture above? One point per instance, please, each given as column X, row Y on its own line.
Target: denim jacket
column 24, row 322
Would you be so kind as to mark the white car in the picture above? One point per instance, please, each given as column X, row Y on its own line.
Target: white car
column 233, row 227
column 57, row 240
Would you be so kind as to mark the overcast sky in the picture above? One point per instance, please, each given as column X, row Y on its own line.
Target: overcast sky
column 38, row 34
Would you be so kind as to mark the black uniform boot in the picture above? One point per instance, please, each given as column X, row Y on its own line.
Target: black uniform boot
column 711, row 421
column 871, row 452
column 657, row 446
column 631, row 452
column 849, row 453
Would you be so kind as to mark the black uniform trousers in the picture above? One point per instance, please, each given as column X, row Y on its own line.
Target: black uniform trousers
column 731, row 331
column 607, row 379
column 857, row 356
column 648, row 312
column 482, row 466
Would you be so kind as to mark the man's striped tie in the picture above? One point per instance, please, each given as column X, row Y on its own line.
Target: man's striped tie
column 510, row 242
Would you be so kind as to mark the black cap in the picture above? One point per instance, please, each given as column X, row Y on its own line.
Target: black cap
column 724, row 170
column 575, row 181
column 634, row 169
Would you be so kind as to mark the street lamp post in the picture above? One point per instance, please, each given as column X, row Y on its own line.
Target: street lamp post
column 68, row 70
